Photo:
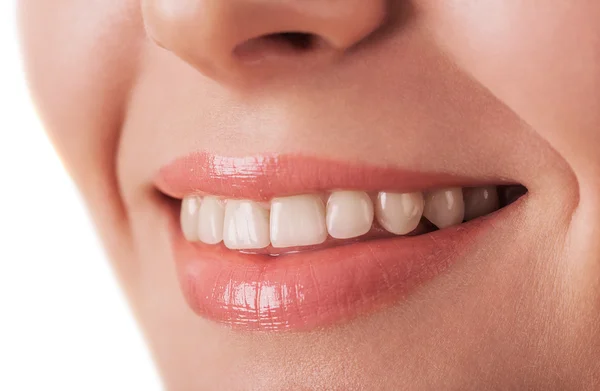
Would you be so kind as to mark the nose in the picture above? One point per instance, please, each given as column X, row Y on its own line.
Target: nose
column 226, row 39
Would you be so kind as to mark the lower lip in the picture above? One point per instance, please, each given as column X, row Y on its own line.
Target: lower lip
column 313, row 289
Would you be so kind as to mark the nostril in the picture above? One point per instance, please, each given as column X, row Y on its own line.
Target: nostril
column 277, row 44
column 297, row 41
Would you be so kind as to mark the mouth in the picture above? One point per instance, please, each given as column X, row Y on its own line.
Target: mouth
column 275, row 243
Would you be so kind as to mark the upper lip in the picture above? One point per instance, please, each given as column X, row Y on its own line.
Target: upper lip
column 267, row 176
column 312, row 288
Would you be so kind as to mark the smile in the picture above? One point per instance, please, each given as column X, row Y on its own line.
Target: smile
column 294, row 243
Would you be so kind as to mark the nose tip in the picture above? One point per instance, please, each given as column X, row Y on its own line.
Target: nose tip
column 222, row 38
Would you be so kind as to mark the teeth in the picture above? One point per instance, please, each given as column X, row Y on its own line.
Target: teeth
column 246, row 225
column 444, row 207
column 189, row 218
column 480, row 201
column 297, row 221
column 399, row 213
column 349, row 214
column 210, row 220
column 304, row 220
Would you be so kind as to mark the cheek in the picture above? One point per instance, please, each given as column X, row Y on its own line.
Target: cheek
column 541, row 58
column 79, row 57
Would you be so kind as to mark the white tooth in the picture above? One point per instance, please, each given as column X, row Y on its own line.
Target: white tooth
column 444, row 207
column 480, row 201
column 349, row 214
column 297, row 221
column 210, row 220
column 246, row 225
column 399, row 213
column 189, row 217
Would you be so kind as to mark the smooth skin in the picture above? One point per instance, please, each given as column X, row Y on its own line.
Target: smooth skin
column 494, row 88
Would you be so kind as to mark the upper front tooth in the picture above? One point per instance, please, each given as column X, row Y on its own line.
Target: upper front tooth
column 399, row 213
column 480, row 201
column 189, row 217
column 210, row 220
column 246, row 225
column 297, row 221
column 444, row 207
column 349, row 214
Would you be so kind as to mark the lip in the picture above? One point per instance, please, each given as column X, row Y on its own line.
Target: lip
column 267, row 176
column 310, row 289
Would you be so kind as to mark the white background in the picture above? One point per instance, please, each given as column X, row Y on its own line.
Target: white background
column 64, row 324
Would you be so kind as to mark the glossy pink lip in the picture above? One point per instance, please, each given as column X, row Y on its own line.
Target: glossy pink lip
column 265, row 177
column 314, row 288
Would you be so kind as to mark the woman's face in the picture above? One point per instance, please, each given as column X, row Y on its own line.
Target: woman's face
column 151, row 101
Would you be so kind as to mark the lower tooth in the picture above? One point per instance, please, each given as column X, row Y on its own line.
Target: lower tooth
column 444, row 207
column 246, row 225
column 480, row 201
